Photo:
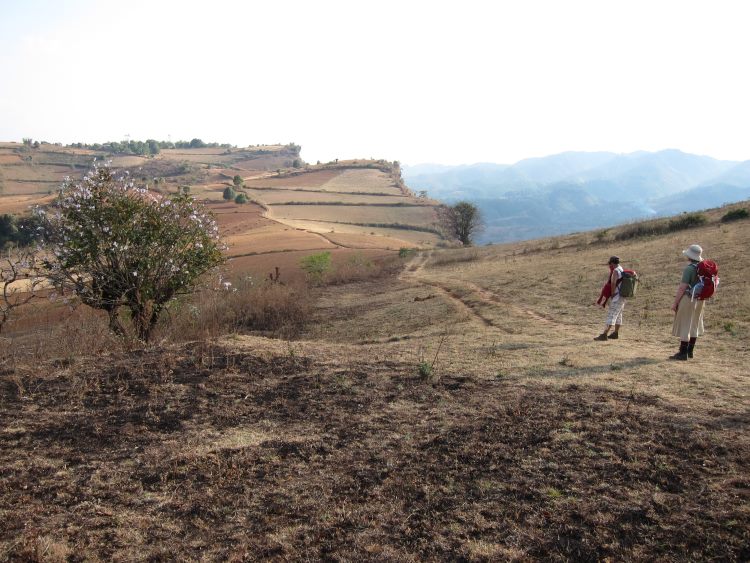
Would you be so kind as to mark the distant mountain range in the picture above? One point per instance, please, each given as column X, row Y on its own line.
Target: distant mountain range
column 575, row 191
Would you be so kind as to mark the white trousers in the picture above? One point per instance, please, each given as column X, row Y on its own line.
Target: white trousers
column 614, row 314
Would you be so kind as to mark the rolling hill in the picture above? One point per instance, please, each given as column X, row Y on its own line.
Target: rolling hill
column 345, row 207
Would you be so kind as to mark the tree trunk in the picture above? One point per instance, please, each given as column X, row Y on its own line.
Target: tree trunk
column 114, row 321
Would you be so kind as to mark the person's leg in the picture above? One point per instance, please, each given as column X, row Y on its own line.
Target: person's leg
column 618, row 319
column 683, row 352
column 603, row 335
column 682, row 325
column 611, row 316
column 691, row 346
column 696, row 326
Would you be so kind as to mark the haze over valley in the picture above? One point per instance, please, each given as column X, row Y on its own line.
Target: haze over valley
column 576, row 191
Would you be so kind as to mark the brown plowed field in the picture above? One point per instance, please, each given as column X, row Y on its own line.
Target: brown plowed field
column 313, row 179
column 421, row 215
column 21, row 204
column 274, row 197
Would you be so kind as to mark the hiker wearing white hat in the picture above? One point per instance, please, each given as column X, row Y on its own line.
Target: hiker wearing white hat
column 688, row 319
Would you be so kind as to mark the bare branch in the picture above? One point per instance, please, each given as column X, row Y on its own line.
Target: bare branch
column 21, row 279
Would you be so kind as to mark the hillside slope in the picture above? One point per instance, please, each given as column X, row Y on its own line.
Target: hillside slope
column 349, row 208
column 458, row 411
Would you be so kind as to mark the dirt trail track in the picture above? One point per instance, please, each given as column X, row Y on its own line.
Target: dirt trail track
column 415, row 273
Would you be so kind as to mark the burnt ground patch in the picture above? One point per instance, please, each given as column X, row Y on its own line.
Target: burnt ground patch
column 201, row 453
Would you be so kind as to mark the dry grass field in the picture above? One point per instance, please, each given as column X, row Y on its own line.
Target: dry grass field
column 359, row 235
column 315, row 180
column 285, row 196
column 20, row 204
column 444, row 405
column 338, row 180
column 362, row 181
column 416, row 215
column 275, row 238
column 457, row 410
column 365, row 206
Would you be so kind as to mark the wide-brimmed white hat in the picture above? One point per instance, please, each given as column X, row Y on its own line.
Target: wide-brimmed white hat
column 694, row 252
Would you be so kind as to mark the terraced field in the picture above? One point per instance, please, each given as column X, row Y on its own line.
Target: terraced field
column 339, row 207
column 364, row 214
column 281, row 196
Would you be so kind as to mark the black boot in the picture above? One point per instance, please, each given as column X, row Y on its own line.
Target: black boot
column 682, row 354
column 691, row 347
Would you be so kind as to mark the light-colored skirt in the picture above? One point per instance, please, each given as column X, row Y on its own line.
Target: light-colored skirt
column 688, row 322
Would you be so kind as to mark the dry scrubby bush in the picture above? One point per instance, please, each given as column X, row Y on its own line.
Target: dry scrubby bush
column 735, row 215
column 79, row 334
column 454, row 256
column 268, row 306
column 273, row 308
column 359, row 268
column 650, row 228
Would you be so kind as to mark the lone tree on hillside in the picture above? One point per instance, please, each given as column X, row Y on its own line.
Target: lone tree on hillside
column 237, row 180
column 111, row 245
column 461, row 220
column 229, row 193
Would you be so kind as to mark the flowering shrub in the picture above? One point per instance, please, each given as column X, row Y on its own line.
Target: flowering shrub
column 113, row 245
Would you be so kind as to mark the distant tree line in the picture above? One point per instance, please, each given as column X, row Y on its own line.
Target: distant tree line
column 148, row 147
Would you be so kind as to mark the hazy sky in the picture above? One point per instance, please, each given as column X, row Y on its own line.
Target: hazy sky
column 449, row 82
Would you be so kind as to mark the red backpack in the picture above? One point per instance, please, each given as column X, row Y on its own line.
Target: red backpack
column 708, row 280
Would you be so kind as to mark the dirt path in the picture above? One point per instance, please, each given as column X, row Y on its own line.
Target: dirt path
column 338, row 244
column 415, row 273
column 488, row 297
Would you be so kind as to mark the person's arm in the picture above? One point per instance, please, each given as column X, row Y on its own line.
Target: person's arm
column 680, row 292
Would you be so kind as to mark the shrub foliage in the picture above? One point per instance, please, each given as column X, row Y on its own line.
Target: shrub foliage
column 649, row 228
column 229, row 194
column 735, row 215
column 316, row 265
column 115, row 245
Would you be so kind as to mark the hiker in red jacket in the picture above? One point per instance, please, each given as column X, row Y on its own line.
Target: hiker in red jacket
column 616, row 303
column 605, row 294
